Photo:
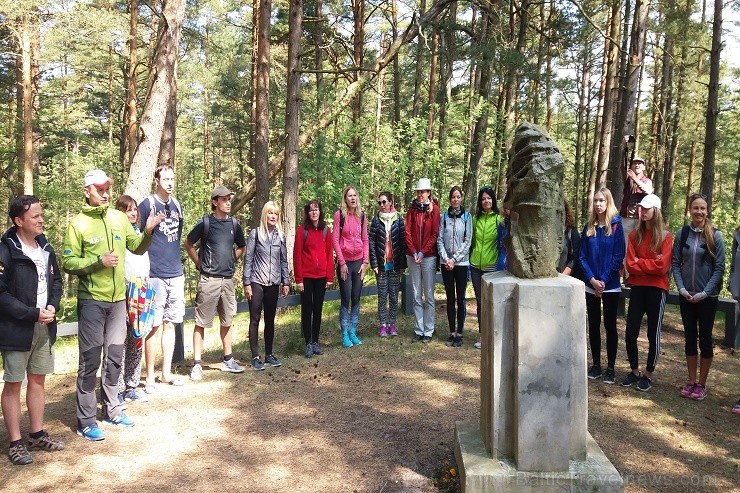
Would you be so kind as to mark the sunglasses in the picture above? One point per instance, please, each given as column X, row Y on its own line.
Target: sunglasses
column 695, row 196
column 382, row 202
column 167, row 211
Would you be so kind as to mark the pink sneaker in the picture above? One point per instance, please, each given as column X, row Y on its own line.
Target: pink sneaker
column 393, row 330
column 687, row 389
column 383, row 333
column 699, row 393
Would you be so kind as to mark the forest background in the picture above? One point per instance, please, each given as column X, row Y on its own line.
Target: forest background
column 291, row 100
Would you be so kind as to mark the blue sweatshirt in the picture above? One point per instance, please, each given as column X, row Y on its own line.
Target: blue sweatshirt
column 602, row 256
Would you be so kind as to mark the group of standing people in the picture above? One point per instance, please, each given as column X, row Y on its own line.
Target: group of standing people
column 639, row 241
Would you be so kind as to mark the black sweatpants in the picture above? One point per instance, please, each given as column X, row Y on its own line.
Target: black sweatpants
column 698, row 316
column 312, row 302
column 262, row 297
column 455, row 281
column 610, row 301
column 651, row 301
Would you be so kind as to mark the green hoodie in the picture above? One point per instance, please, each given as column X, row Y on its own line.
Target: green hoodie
column 92, row 233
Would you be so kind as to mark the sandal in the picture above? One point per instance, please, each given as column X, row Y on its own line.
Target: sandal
column 175, row 382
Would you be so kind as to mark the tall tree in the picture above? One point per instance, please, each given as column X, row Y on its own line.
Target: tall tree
column 162, row 91
column 262, row 107
column 710, row 135
column 292, row 106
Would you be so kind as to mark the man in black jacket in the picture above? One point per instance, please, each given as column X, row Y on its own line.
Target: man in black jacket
column 30, row 291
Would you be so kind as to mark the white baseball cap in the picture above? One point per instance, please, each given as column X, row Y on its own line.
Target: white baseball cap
column 96, row 177
column 650, row 201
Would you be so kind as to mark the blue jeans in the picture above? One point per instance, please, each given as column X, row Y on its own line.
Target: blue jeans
column 422, row 281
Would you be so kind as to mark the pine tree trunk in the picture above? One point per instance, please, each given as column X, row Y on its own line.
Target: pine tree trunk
column 262, row 123
column 710, row 135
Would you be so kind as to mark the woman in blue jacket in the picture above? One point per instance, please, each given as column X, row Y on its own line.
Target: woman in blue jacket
column 601, row 257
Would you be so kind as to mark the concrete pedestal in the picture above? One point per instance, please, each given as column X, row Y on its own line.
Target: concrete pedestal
column 534, row 399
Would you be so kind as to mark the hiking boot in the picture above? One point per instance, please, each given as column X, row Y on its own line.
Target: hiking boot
column 309, row 350
column 458, row 342
column 699, row 393
column 45, row 442
column 609, row 376
column 231, row 366
column 317, row 349
column 594, row 372
column 383, row 332
column 426, row 339
column 91, row 432
column 19, row 454
column 450, row 341
column 196, row 373
column 272, row 361
column 346, row 342
column 133, row 395
column 120, row 420
column 257, row 364
column 644, row 384
column 353, row 336
column 417, row 338
column 630, row 379
column 687, row 389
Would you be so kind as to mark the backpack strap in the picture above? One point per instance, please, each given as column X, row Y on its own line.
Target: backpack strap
column 206, row 227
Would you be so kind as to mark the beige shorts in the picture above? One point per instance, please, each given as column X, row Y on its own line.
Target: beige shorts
column 38, row 361
column 215, row 294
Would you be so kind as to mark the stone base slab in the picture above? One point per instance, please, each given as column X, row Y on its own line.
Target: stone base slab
column 479, row 473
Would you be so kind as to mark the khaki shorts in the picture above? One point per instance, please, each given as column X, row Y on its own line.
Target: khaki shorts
column 215, row 294
column 170, row 302
column 38, row 361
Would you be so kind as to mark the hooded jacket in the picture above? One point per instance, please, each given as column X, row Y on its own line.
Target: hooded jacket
column 694, row 269
column 18, row 288
column 91, row 234
column 377, row 238
column 601, row 256
column 313, row 257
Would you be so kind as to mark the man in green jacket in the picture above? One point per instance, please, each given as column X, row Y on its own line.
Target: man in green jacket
column 94, row 247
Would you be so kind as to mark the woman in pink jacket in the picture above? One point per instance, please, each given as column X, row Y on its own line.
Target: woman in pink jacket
column 351, row 246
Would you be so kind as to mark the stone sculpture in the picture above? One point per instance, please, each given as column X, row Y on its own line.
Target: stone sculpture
column 534, row 196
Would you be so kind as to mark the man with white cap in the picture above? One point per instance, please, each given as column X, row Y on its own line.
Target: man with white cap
column 94, row 247
column 222, row 242
column 636, row 187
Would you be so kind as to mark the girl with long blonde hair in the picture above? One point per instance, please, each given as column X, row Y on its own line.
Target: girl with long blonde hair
column 648, row 262
column 265, row 278
column 601, row 256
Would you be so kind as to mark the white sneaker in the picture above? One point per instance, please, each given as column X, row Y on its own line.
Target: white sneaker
column 231, row 366
column 477, row 344
column 197, row 372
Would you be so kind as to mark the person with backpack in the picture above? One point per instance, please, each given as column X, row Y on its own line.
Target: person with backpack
column 601, row 257
column 648, row 263
column 453, row 245
column 140, row 308
column 313, row 268
column 487, row 252
column 698, row 267
column 352, row 248
column 221, row 242
column 30, row 293
column 265, row 278
column 387, row 239
column 422, row 230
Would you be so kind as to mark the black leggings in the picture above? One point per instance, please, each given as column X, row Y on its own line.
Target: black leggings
column 651, row 301
column 593, row 308
column 455, row 281
column 312, row 302
column 702, row 315
column 262, row 297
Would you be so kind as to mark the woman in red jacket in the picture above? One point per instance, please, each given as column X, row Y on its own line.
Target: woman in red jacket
column 422, row 228
column 313, row 267
column 648, row 263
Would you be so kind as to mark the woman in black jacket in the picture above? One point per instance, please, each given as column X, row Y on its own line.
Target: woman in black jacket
column 387, row 240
